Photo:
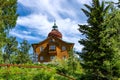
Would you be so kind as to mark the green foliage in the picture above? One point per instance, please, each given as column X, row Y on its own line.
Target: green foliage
column 8, row 18
column 8, row 14
column 58, row 77
column 14, row 54
column 45, row 75
column 17, row 73
column 1, row 58
column 111, row 39
column 101, row 44
column 3, row 39
column 10, row 49
column 70, row 66
column 23, row 54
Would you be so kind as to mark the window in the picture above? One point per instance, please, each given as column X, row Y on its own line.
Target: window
column 52, row 57
column 64, row 57
column 41, row 48
column 52, row 47
column 52, row 40
column 63, row 48
column 41, row 58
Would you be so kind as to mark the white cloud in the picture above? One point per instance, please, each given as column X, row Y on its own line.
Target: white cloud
column 84, row 1
column 23, row 36
column 42, row 10
column 89, row 1
column 51, row 7
column 26, row 32
column 39, row 21
column 112, row 0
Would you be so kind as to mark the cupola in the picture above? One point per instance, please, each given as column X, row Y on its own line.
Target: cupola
column 55, row 32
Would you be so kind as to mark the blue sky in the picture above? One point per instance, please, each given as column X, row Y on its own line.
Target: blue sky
column 36, row 18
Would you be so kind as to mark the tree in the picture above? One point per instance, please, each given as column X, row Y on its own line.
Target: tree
column 8, row 17
column 70, row 66
column 94, row 52
column 111, row 40
column 23, row 54
column 1, row 58
column 11, row 48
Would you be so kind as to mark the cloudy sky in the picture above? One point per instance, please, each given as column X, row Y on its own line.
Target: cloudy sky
column 36, row 18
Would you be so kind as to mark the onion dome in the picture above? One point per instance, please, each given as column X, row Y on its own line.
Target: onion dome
column 55, row 32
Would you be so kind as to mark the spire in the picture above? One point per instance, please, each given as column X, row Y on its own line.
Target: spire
column 55, row 26
column 54, row 22
column 55, row 32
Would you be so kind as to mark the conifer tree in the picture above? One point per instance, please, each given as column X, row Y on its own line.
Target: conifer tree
column 110, row 41
column 101, row 52
column 92, row 54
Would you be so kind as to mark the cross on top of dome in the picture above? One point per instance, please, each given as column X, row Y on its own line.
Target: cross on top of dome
column 55, row 26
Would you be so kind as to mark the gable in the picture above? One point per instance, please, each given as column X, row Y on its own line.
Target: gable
column 53, row 40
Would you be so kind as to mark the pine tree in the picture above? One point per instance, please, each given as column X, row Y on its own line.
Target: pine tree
column 111, row 41
column 93, row 54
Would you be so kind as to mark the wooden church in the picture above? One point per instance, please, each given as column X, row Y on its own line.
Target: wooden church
column 52, row 47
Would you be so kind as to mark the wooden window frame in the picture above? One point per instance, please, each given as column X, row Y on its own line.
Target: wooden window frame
column 41, row 58
column 63, row 48
column 41, row 48
column 52, row 57
column 52, row 48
